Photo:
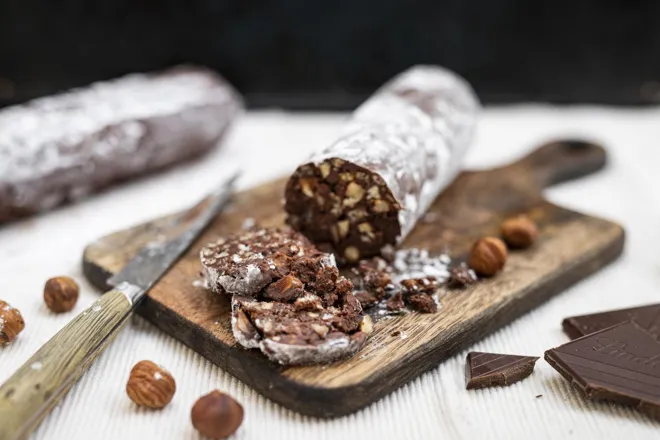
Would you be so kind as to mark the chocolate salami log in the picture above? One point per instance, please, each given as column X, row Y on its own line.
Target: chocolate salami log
column 58, row 149
column 367, row 190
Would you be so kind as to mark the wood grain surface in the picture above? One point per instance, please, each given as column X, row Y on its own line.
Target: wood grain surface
column 571, row 246
column 31, row 392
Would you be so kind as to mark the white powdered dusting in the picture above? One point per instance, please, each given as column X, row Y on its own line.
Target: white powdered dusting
column 201, row 284
column 417, row 263
column 36, row 366
column 248, row 223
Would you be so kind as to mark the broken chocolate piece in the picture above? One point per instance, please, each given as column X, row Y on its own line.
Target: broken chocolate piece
column 367, row 299
column 619, row 364
column 365, row 192
column 59, row 149
column 647, row 317
column 245, row 263
column 421, row 302
column 461, row 277
column 395, row 302
column 491, row 369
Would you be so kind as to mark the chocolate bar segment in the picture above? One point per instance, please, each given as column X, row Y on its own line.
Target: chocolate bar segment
column 404, row 145
column 647, row 317
column 619, row 364
column 61, row 148
column 491, row 369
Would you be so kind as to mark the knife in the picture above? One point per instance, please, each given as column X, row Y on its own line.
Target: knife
column 32, row 391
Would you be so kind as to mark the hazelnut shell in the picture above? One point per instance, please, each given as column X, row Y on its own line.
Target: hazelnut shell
column 61, row 294
column 488, row 256
column 150, row 385
column 217, row 415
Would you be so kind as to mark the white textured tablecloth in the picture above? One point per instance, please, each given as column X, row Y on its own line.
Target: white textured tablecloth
column 434, row 406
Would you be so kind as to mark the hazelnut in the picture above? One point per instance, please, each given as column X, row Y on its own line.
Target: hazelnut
column 352, row 254
column 11, row 323
column 354, row 193
column 306, row 186
column 380, row 206
column 519, row 232
column 216, row 415
column 61, row 294
column 325, row 169
column 284, row 289
column 150, row 385
column 366, row 325
column 488, row 256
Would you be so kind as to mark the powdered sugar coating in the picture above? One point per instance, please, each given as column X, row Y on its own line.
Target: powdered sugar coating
column 244, row 264
column 61, row 148
column 414, row 133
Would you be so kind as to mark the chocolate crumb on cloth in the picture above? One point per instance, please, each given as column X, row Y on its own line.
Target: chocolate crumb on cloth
column 619, row 364
column 647, row 317
column 401, row 147
column 491, row 369
column 61, row 148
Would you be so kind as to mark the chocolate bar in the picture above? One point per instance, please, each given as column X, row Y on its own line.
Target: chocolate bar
column 619, row 364
column 647, row 317
column 366, row 191
column 490, row 369
column 61, row 148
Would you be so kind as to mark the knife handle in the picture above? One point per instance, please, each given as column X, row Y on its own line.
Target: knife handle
column 33, row 390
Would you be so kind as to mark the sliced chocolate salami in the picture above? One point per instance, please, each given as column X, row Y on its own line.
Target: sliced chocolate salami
column 366, row 191
column 244, row 264
column 304, row 331
column 58, row 149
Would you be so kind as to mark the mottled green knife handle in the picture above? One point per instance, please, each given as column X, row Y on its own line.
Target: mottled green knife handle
column 45, row 378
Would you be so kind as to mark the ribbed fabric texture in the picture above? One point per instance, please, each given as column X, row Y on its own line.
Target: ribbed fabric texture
column 434, row 406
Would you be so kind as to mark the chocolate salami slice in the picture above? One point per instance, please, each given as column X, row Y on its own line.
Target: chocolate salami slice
column 301, row 332
column 244, row 264
column 58, row 149
column 403, row 146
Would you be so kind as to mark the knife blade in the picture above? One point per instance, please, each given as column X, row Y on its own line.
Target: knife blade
column 34, row 389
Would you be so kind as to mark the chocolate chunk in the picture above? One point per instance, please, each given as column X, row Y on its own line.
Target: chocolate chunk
column 285, row 289
column 460, row 277
column 619, row 364
column 421, row 302
column 395, row 302
column 647, row 317
column 61, row 148
column 245, row 263
column 367, row 299
column 364, row 193
column 490, row 369
column 427, row 285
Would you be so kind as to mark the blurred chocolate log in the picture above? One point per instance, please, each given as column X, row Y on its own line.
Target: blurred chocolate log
column 59, row 149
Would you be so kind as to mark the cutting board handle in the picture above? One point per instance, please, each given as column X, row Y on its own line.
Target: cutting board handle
column 563, row 160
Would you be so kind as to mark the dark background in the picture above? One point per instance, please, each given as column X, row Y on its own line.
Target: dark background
column 331, row 54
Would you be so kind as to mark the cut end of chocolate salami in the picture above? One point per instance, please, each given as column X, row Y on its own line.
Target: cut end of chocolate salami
column 366, row 191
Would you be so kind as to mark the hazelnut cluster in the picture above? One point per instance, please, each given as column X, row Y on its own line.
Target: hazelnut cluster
column 489, row 254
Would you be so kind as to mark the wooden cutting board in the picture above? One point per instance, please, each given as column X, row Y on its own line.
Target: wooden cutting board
column 571, row 246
